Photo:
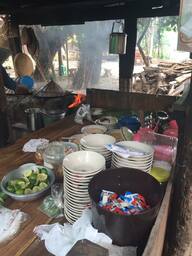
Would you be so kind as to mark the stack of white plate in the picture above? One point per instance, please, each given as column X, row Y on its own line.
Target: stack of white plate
column 79, row 168
column 142, row 161
column 96, row 143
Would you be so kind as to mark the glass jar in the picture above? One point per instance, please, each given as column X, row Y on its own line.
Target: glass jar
column 53, row 159
column 39, row 152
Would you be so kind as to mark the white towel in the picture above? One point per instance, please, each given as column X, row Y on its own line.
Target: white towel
column 32, row 144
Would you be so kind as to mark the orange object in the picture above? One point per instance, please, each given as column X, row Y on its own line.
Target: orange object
column 79, row 98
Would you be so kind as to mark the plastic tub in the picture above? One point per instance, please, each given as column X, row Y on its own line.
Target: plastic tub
column 125, row 230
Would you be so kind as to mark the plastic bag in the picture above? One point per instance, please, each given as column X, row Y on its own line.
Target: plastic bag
column 60, row 239
column 10, row 223
column 84, row 112
column 52, row 205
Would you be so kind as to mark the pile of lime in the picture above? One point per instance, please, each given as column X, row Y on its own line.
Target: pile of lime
column 3, row 197
column 32, row 181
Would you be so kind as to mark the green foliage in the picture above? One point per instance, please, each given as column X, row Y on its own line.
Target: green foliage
column 155, row 35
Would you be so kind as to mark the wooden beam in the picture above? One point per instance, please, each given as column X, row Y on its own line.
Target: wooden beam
column 128, row 101
column 14, row 38
column 66, row 16
column 126, row 61
column 155, row 243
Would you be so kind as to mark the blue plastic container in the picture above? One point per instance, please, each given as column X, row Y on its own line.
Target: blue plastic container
column 132, row 122
column 27, row 81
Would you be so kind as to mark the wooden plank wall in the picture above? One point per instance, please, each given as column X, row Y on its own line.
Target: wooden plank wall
column 128, row 101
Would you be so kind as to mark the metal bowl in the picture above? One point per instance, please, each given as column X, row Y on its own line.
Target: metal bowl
column 18, row 173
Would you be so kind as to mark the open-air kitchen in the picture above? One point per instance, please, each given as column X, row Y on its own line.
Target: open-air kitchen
column 95, row 128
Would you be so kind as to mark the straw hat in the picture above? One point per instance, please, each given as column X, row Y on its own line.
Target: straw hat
column 23, row 65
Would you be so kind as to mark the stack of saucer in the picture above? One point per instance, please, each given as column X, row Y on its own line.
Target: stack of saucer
column 79, row 168
column 96, row 143
column 141, row 156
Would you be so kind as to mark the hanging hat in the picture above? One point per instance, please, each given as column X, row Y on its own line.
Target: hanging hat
column 23, row 65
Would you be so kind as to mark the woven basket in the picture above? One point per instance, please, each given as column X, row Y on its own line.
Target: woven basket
column 23, row 65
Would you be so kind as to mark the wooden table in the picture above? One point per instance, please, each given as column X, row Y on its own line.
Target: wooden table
column 26, row 243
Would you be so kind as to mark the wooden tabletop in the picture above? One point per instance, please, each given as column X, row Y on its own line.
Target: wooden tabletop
column 26, row 243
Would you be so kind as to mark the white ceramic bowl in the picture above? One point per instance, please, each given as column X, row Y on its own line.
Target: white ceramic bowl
column 94, row 129
column 83, row 174
column 84, row 162
column 108, row 121
column 97, row 140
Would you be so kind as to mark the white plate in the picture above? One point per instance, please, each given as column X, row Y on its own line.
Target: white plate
column 72, row 188
column 138, row 146
column 73, row 217
column 73, row 198
column 77, row 207
column 77, row 187
column 72, row 214
column 133, row 166
column 94, row 129
column 101, row 151
column 76, row 199
column 133, row 162
column 97, row 140
column 138, row 159
column 84, row 161
column 78, row 192
column 115, row 165
column 75, row 183
column 69, row 219
column 78, row 196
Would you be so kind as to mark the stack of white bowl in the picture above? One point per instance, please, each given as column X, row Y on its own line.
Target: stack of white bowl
column 96, row 143
column 78, row 169
column 142, row 161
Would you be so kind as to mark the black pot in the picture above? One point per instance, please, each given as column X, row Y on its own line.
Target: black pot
column 130, row 229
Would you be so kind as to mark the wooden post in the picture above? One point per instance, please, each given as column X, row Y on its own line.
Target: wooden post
column 14, row 37
column 179, row 228
column 126, row 61
column 67, row 57
column 60, row 62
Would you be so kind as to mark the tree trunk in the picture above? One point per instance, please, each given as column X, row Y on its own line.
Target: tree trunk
column 145, row 59
column 60, row 62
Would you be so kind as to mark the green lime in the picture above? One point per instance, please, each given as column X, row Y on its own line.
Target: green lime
column 10, row 189
column 12, row 182
column 43, row 185
column 26, row 180
column 42, row 176
column 30, row 186
column 21, row 183
column 1, row 201
column 35, row 189
column 28, row 191
column 19, row 192
column 43, row 170
column 3, row 195
column 28, row 173
column 17, row 186
column 33, row 178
